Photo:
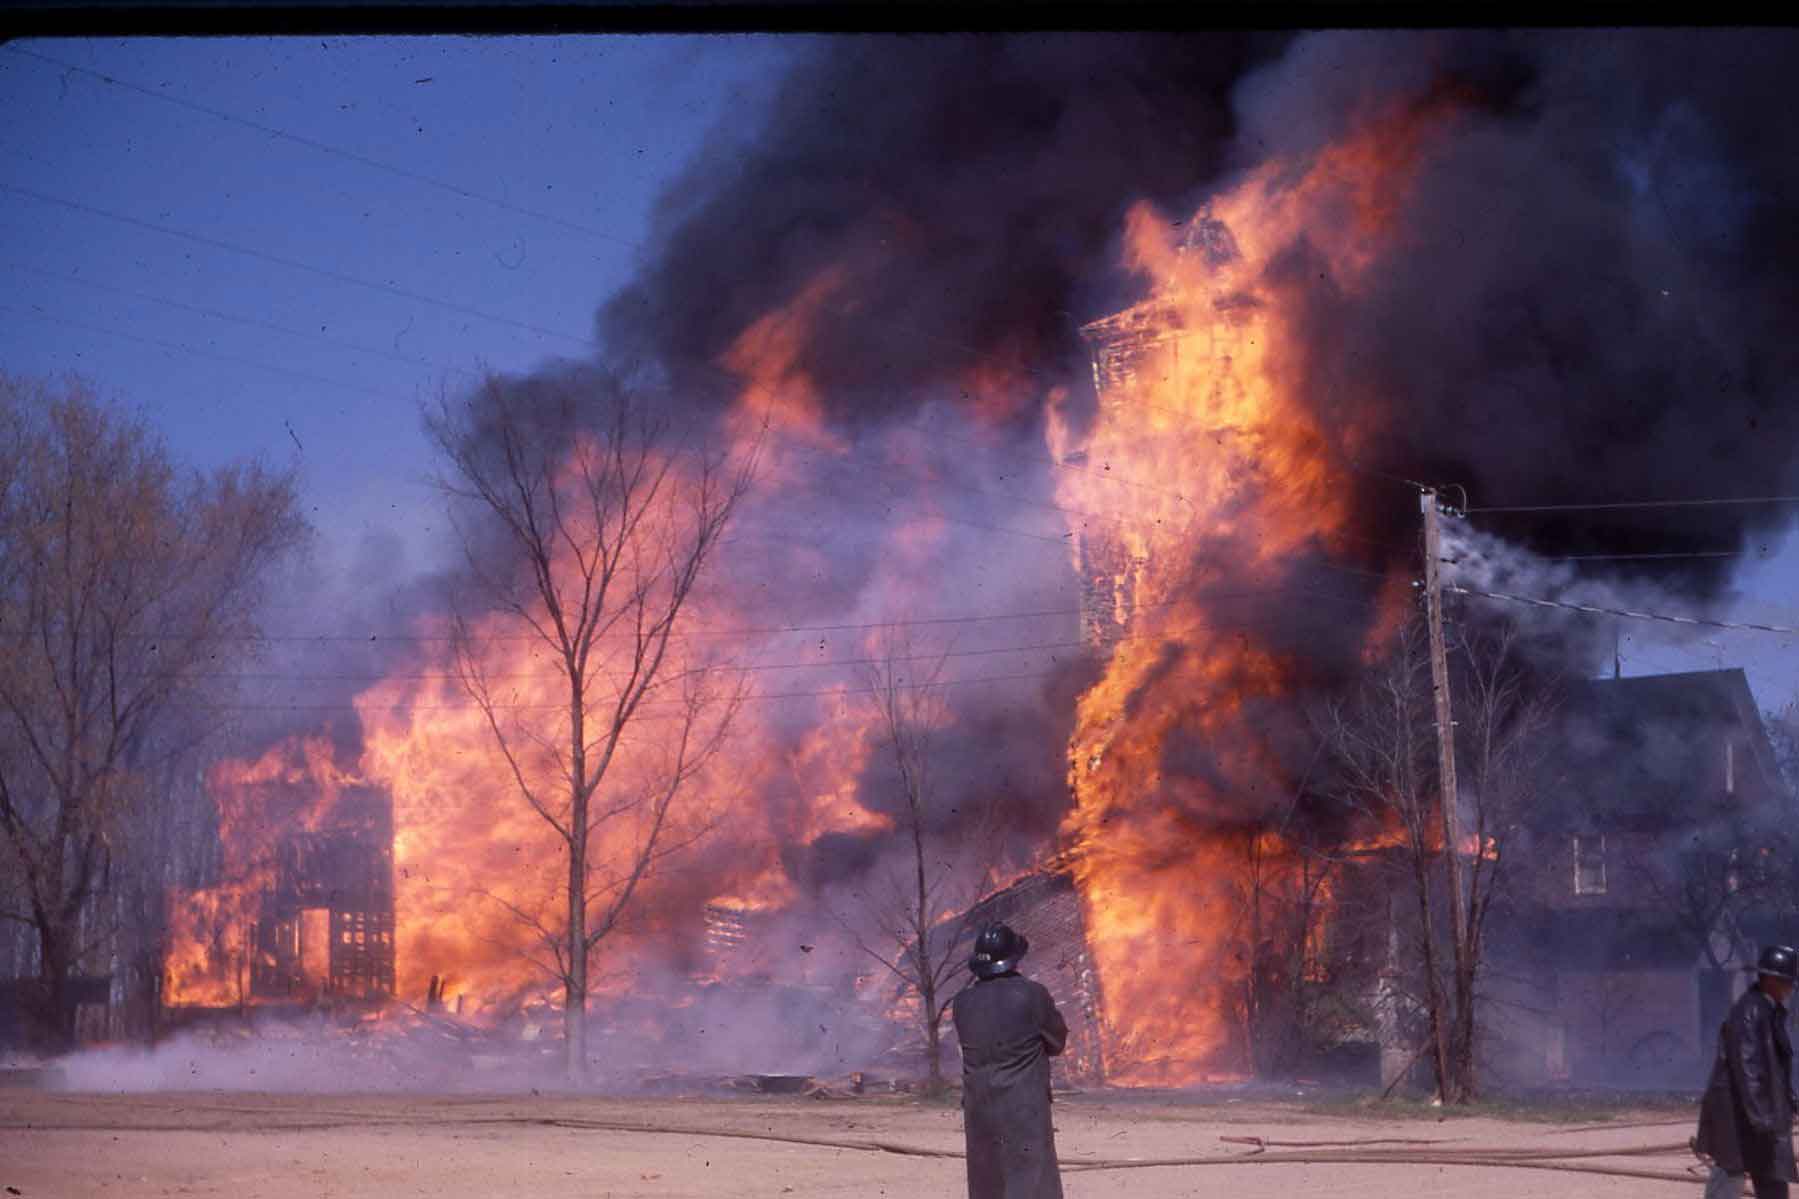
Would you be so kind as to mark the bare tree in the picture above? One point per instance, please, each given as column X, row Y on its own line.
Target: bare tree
column 922, row 911
column 122, row 580
column 1503, row 708
column 588, row 519
column 1381, row 742
column 1289, row 898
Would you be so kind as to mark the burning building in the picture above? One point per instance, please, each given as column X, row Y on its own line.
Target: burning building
column 326, row 926
column 303, row 910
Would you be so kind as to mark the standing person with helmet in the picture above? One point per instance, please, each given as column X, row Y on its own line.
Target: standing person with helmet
column 1009, row 1028
column 1746, row 1117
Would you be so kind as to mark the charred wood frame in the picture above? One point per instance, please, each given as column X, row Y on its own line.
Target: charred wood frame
column 326, row 927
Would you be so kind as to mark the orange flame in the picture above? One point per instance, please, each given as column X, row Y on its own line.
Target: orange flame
column 1195, row 400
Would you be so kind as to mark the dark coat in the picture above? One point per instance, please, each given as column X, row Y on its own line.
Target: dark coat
column 1746, row 1117
column 1009, row 1028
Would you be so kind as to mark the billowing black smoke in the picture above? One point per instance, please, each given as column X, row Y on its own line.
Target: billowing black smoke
column 1587, row 300
column 973, row 186
column 1594, row 273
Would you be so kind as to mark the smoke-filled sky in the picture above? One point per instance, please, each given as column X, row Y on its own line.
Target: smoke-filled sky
column 1589, row 301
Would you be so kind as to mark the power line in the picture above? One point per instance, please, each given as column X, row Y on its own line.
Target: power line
column 50, row 318
column 465, row 310
column 469, row 194
column 38, row 314
column 1705, row 503
column 476, row 707
column 250, row 321
column 1596, row 610
column 769, row 630
column 1633, row 557
column 326, row 148
column 292, row 264
column 258, row 364
column 562, row 706
column 412, row 360
column 757, row 668
column 527, row 326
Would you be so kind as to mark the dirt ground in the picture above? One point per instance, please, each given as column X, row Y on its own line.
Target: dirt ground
column 256, row 1146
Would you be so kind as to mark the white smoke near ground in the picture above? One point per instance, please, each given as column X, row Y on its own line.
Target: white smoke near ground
column 308, row 1055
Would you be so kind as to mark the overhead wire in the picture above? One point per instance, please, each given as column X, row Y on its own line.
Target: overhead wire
column 322, row 147
column 1643, row 557
column 38, row 314
column 1600, row 610
column 1630, row 504
column 340, row 277
column 294, row 264
column 562, row 706
column 834, row 664
column 466, row 193
column 506, row 205
column 766, row 630
column 470, row 194
column 249, row 321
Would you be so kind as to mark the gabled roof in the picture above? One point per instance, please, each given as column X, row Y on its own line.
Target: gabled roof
column 1648, row 751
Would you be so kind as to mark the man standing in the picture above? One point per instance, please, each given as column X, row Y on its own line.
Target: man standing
column 1746, row 1118
column 1009, row 1028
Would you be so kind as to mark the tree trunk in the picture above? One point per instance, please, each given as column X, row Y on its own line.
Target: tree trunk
column 58, row 1012
column 1462, row 1040
column 933, row 1046
column 1434, row 997
column 574, row 1014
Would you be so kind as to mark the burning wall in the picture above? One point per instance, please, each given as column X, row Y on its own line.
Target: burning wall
column 304, row 906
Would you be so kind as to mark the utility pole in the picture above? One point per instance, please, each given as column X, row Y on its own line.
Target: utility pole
column 1447, row 803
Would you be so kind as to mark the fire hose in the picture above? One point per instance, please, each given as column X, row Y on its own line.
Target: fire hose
column 1374, row 1151
column 1389, row 1151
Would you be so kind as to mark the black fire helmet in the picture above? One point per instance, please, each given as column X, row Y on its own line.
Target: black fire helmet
column 1779, row 961
column 997, row 951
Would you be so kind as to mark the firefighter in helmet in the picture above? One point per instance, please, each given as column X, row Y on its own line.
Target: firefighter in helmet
column 1746, row 1117
column 1008, row 1028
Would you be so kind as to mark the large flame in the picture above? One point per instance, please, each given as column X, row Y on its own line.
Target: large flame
column 1195, row 401
column 479, row 876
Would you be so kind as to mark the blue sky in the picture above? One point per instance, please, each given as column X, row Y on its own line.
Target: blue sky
column 233, row 354
column 586, row 131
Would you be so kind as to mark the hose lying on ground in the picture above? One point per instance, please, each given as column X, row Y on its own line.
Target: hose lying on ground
column 1368, row 1152
column 1389, row 1151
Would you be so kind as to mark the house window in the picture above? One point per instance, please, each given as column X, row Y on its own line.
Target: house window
column 1589, row 865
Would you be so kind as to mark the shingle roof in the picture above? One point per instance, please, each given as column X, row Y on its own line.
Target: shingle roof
column 1646, row 751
